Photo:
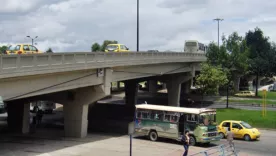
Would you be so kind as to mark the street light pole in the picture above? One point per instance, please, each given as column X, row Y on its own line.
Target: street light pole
column 227, row 89
column 218, row 20
column 32, row 39
column 137, row 44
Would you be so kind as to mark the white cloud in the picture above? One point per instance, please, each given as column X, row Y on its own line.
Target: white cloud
column 73, row 25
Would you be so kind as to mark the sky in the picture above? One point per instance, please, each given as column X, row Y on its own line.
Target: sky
column 74, row 25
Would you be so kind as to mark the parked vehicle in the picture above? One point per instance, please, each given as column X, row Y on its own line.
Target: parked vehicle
column 241, row 130
column 2, row 105
column 116, row 48
column 245, row 93
column 45, row 106
column 22, row 49
column 157, row 121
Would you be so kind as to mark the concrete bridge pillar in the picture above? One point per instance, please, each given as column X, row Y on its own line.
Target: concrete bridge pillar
column 237, row 79
column 186, row 87
column 131, row 90
column 250, row 82
column 174, row 88
column 153, row 86
column 18, row 116
column 76, row 107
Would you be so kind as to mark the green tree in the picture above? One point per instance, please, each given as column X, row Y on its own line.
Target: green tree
column 210, row 78
column 261, row 54
column 106, row 42
column 96, row 47
column 49, row 50
column 3, row 49
column 232, row 56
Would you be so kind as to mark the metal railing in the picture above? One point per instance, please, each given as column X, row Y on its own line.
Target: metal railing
column 56, row 62
column 221, row 150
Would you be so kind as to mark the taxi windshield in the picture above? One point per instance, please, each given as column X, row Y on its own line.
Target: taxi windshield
column 245, row 125
column 11, row 47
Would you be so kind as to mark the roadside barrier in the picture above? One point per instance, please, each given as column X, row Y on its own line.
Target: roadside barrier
column 221, row 150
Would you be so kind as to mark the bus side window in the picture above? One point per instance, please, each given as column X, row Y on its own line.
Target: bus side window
column 167, row 117
column 145, row 115
column 174, row 118
column 139, row 115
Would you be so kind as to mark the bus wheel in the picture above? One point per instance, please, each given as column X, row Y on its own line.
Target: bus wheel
column 192, row 141
column 153, row 136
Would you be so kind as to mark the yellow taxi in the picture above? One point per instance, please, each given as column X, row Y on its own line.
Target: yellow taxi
column 22, row 49
column 116, row 48
column 245, row 93
column 240, row 129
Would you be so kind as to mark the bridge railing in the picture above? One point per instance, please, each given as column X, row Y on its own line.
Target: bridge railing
column 84, row 60
column 221, row 150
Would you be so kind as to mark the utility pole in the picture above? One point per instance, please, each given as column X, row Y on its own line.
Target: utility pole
column 137, row 44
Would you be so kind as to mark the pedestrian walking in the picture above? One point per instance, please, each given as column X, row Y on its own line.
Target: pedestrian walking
column 186, row 142
column 39, row 116
column 230, row 138
column 33, row 125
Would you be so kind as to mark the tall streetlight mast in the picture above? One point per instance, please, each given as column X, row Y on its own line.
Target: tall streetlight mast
column 32, row 39
column 137, row 44
column 218, row 20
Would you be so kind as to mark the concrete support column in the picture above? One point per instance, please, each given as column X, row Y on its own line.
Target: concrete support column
column 131, row 90
column 237, row 78
column 174, row 87
column 77, row 103
column 173, row 93
column 186, row 87
column 19, row 116
column 153, row 86
column 118, row 85
column 164, row 86
column 259, row 80
column 250, row 82
column 75, row 120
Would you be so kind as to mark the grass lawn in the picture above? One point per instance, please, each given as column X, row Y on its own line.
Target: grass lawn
column 246, row 101
column 269, row 95
column 254, row 118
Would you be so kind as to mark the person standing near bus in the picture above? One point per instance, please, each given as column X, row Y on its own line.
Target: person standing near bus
column 186, row 142
column 230, row 138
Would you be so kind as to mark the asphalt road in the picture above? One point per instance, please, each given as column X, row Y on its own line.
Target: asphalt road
column 265, row 146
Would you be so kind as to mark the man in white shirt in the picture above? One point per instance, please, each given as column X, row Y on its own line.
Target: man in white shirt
column 230, row 138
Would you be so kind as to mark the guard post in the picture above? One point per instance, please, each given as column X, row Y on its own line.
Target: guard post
column 264, row 103
column 130, row 133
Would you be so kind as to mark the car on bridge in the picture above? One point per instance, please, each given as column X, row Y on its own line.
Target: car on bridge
column 22, row 49
column 116, row 48
column 240, row 129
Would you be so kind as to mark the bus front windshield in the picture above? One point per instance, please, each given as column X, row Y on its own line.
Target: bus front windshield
column 207, row 119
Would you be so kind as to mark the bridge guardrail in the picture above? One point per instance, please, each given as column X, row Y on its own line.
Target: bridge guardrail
column 221, row 150
column 10, row 64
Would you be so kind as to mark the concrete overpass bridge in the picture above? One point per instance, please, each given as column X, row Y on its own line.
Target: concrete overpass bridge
column 79, row 79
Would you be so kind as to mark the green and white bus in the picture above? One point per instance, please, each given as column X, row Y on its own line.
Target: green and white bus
column 170, row 122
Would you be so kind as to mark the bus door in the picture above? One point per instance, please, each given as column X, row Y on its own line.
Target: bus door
column 181, row 124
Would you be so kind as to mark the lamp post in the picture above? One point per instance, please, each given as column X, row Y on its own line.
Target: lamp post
column 32, row 39
column 227, row 89
column 137, row 44
column 218, row 20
